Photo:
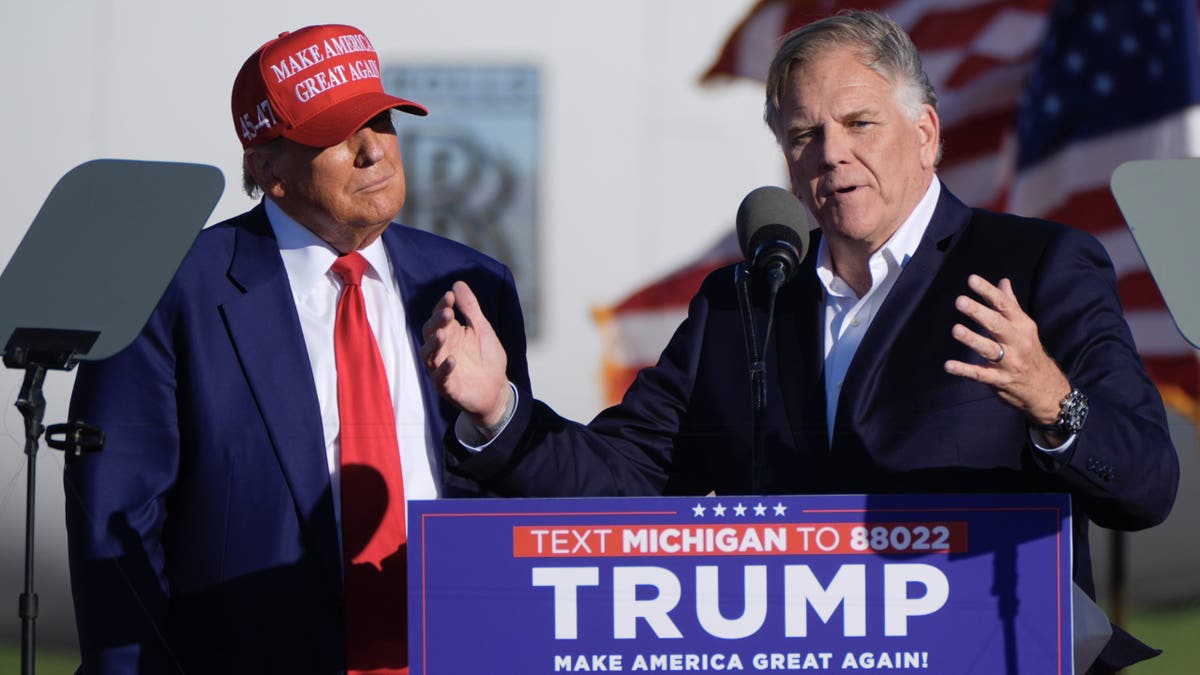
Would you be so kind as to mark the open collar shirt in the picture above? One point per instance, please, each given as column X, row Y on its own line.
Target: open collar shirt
column 848, row 316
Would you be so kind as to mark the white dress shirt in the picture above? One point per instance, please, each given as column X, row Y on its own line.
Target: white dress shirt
column 848, row 316
column 315, row 289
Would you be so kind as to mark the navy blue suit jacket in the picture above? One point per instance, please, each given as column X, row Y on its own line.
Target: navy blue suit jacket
column 203, row 536
column 902, row 424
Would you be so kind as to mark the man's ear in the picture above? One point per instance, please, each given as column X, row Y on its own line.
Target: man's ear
column 930, row 129
column 260, row 164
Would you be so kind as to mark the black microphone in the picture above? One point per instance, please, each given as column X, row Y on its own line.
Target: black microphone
column 773, row 233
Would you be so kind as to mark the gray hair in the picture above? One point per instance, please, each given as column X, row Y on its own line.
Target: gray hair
column 882, row 44
column 249, row 185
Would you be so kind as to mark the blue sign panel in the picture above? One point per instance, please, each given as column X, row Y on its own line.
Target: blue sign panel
column 846, row 583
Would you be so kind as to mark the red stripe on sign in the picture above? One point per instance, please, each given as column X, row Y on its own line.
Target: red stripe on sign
column 624, row 541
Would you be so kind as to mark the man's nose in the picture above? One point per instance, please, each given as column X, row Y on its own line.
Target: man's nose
column 371, row 148
column 834, row 147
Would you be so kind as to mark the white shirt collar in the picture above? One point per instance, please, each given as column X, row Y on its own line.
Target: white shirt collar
column 308, row 258
column 897, row 250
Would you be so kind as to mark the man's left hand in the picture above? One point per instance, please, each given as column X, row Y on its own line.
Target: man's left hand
column 1018, row 367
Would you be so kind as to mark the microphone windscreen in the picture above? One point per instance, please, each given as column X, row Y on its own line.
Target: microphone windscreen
column 771, row 213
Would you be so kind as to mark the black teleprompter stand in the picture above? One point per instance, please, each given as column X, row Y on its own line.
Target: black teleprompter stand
column 37, row 350
column 80, row 286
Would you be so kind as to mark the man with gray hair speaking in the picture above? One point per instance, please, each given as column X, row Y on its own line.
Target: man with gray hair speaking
column 923, row 346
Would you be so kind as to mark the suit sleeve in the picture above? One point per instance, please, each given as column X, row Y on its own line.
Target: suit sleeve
column 510, row 328
column 116, row 505
column 1123, row 465
column 626, row 450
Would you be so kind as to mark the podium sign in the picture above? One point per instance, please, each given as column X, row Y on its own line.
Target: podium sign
column 934, row 583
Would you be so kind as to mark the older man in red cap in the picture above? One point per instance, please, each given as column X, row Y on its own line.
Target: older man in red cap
column 268, row 425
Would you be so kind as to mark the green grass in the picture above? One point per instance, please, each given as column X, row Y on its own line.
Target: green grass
column 48, row 662
column 1176, row 631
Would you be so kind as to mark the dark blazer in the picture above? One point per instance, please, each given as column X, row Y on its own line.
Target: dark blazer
column 202, row 538
column 903, row 424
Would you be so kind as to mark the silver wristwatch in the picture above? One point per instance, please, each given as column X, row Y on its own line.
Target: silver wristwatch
column 1072, row 411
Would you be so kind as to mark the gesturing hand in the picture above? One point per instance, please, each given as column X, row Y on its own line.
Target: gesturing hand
column 1018, row 369
column 466, row 360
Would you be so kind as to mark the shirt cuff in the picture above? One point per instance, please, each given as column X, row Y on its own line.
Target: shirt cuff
column 1053, row 451
column 475, row 438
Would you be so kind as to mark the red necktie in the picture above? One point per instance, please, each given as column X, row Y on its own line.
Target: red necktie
column 372, row 490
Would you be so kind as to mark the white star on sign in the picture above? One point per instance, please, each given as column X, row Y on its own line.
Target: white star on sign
column 739, row 510
column 719, row 510
column 780, row 509
column 760, row 510
column 698, row 510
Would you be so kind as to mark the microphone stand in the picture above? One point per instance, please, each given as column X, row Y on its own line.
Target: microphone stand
column 36, row 350
column 758, row 365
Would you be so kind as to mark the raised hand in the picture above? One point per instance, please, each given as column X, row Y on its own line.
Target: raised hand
column 1018, row 368
column 466, row 360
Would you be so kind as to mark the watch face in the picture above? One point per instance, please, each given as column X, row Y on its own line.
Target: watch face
column 1073, row 411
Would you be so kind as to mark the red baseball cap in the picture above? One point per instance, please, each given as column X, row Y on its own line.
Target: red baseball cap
column 315, row 86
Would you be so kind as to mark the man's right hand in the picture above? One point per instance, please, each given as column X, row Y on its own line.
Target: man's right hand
column 466, row 360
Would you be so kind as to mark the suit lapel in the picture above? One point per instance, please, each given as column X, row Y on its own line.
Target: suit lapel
column 418, row 280
column 266, row 334
column 858, row 391
column 801, row 357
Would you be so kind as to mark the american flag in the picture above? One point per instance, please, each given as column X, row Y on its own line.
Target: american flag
column 1039, row 102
